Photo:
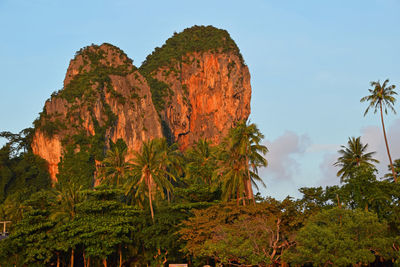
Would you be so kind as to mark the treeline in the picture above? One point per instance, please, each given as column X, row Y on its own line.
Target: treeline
column 166, row 206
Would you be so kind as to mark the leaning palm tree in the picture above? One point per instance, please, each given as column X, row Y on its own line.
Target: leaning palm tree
column 147, row 174
column 382, row 97
column 353, row 156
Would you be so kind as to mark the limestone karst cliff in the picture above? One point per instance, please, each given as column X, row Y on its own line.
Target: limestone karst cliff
column 195, row 86
column 104, row 98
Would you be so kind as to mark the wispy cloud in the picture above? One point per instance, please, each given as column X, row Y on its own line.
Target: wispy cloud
column 328, row 171
column 282, row 161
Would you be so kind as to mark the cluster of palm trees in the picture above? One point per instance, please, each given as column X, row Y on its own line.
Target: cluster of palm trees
column 158, row 167
column 381, row 98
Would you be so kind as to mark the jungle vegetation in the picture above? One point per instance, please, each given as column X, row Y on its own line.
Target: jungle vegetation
column 195, row 206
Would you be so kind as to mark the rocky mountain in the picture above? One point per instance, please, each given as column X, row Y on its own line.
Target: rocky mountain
column 195, row 86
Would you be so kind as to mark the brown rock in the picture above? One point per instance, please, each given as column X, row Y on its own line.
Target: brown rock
column 105, row 96
column 210, row 94
column 129, row 100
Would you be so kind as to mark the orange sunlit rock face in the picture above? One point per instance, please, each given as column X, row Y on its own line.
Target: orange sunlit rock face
column 211, row 93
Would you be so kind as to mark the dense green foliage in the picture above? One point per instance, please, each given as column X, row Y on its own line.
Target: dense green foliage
column 193, row 39
column 341, row 237
column 189, row 219
column 21, row 170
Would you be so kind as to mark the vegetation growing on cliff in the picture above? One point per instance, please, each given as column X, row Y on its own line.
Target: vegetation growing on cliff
column 193, row 39
column 174, row 51
column 89, row 85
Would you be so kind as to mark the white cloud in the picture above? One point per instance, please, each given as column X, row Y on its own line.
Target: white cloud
column 282, row 161
column 329, row 171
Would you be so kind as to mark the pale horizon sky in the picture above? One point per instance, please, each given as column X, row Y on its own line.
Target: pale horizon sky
column 310, row 63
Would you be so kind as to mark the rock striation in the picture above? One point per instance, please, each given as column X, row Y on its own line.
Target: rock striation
column 196, row 86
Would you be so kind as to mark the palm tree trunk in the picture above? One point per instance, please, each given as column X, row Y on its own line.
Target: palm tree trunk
column 150, row 197
column 58, row 259
column 248, row 183
column 387, row 146
column 72, row 258
column 120, row 255
column 105, row 262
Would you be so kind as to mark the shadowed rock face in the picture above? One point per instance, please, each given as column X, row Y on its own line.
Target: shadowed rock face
column 191, row 95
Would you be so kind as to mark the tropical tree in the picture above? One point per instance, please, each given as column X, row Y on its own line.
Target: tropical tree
column 201, row 161
column 239, row 161
column 149, row 173
column 29, row 243
column 68, row 196
column 341, row 237
column 353, row 156
column 382, row 97
column 396, row 165
column 171, row 160
column 114, row 168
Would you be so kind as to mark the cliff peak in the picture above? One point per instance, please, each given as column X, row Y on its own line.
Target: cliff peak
column 193, row 39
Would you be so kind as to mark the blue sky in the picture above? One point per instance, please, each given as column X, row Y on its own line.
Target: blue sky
column 310, row 63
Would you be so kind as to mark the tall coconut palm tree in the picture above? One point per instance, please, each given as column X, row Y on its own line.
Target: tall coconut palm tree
column 239, row 161
column 382, row 98
column 148, row 173
column 352, row 156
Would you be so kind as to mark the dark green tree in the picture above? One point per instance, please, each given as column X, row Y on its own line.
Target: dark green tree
column 341, row 237
column 77, row 167
column 29, row 242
